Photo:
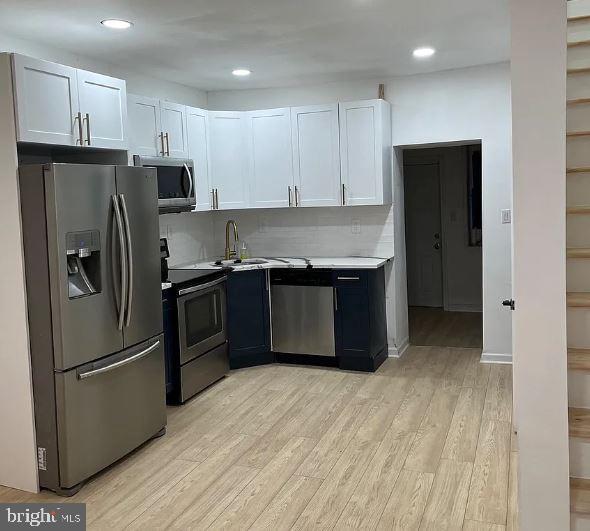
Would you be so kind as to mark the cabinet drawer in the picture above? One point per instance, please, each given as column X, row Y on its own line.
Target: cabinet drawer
column 351, row 278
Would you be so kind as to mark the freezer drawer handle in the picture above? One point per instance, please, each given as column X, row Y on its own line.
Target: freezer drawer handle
column 123, row 266
column 348, row 278
column 129, row 245
column 120, row 363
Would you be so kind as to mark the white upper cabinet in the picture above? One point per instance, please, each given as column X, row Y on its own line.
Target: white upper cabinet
column 270, row 155
column 46, row 97
column 173, row 120
column 316, row 157
column 365, row 152
column 58, row 104
column 144, row 126
column 228, row 159
column 196, row 121
column 103, row 104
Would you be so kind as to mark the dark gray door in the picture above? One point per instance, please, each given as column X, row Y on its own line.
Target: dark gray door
column 79, row 199
column 137, row 190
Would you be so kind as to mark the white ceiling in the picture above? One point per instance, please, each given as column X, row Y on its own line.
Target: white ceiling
column 283, row 42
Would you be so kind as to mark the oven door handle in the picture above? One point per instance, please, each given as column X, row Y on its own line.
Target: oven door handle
column 194, row 289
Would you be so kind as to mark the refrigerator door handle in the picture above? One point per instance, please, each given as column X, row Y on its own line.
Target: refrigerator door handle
column 123, row 263
column 129, row 248
column 120, row 363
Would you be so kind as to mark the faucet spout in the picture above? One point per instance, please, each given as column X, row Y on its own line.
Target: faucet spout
column 229, row 252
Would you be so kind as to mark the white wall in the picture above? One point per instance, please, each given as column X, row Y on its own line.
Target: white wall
column 462, row 264
column 18, row 465
column 456, row 105
column 540, row 359
column 137, row 82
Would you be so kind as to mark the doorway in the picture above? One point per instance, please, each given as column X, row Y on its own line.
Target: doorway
column 443, row 219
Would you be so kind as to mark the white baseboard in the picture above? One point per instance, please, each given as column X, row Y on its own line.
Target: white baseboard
column 398, row 352
column 491, row 357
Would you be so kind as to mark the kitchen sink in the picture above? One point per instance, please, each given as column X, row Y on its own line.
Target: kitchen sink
column 237, row 263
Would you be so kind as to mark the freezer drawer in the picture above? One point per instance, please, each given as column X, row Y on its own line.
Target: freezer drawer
column 203, row 371
column 303, row 320
column 107, row 408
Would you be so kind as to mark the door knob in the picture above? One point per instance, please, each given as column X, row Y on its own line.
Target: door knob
column 509, row 303
column 436, row 246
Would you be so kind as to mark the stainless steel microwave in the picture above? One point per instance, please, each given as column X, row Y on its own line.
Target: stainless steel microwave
column 176, row 184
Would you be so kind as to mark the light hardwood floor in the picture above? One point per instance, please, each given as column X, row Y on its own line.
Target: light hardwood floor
column 435, row 327
column 424, row 443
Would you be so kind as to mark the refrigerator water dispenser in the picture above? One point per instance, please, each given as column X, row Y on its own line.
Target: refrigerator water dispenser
column 83, row 254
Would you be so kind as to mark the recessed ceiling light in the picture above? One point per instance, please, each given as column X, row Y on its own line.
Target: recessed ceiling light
column 115, row 23
column 423, row 52
column 241, row 72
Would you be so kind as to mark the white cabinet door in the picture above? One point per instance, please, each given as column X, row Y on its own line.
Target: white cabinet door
column 103, row 104
column 316, row 156
column 196, row 121
column 228, row 160
column 46, row 97
column 173, row 116
column 144, row 126
column 271, row 158
column 365, row 152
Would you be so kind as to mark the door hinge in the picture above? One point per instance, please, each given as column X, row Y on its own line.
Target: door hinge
column 509, row 302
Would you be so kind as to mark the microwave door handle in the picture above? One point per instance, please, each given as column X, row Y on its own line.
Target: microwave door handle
column 123, row 262
column 129, row 245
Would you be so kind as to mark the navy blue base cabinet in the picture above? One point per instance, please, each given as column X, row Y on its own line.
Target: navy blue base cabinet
column 170, row 326
column 360, row 319
column 248, row 315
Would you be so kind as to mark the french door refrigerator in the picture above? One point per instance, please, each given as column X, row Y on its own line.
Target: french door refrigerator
column 92, row 263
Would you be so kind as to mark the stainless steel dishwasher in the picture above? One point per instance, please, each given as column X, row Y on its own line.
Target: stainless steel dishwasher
column 302, row 310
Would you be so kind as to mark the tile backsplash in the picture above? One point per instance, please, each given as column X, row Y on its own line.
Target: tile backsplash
column 336, row 231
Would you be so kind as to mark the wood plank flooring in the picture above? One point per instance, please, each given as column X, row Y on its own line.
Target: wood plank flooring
column 435, row 327
column 422, row 444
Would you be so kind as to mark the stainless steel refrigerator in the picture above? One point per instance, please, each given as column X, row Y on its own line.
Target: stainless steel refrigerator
column 92, row 262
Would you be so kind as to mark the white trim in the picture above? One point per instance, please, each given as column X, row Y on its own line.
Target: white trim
column 398, row 352
column 491, row 357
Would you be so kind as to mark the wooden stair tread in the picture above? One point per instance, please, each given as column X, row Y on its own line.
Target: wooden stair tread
column 578, row 210
column 580, row 496
column 578, row 101
column 578, row 18
column 579, row 422
column 571, row 134
column 578, row 300
column 578, row 359
column 573, row 44
column 578, row 252
column 574, row 71
column 578, row 170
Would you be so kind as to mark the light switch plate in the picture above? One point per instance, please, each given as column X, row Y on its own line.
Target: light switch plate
column 506, row 216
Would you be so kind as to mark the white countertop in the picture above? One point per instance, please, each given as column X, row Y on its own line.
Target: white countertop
column 337, row 262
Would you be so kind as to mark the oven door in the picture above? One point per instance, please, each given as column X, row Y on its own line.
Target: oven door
column 176, row 184
column 201, row 319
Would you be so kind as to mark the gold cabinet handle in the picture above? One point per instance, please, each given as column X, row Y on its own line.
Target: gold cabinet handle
column 167, row 145
column 161, row 135
column 87, row 118
column 80, row 128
